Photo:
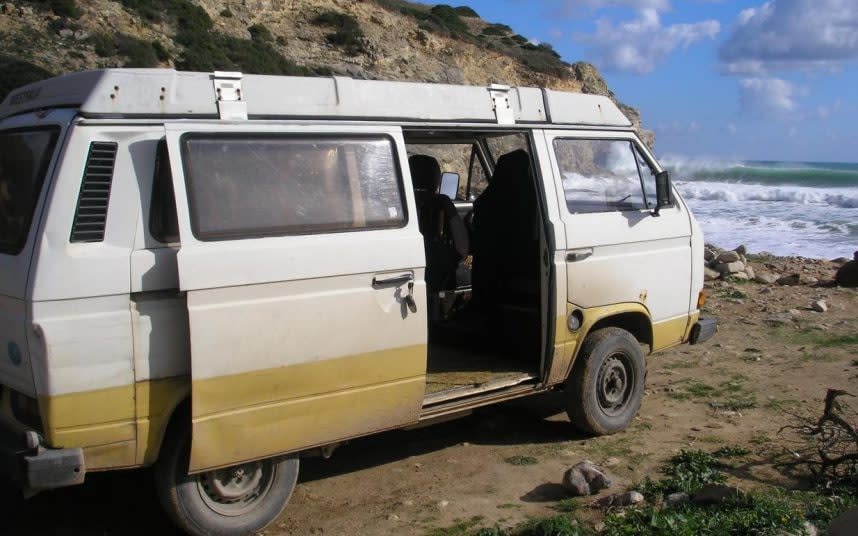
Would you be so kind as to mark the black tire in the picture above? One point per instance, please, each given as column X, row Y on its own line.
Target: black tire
column 605, row 390
column 221, row 502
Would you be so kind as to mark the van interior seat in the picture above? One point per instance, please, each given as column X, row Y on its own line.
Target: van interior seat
column 506, row 237
column 444, row 234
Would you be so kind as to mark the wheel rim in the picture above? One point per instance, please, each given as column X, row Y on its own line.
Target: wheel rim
column 236, row 490
column 615, row 384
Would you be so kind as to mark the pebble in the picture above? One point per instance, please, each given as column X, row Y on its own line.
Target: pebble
column 393, row 517
column 819, row 306
column 619, row 499
column 443, row 504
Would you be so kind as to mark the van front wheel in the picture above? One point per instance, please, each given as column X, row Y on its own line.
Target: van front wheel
column 242, row 499
column 605, row 389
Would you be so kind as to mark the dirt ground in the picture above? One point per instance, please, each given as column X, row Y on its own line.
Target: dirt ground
column 772, row 354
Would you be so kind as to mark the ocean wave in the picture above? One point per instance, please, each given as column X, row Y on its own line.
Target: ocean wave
column 811, row 174
column 735, row 193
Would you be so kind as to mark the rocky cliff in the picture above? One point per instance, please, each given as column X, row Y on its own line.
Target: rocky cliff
column 384, row 39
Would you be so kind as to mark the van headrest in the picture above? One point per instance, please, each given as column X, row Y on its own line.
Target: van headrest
column 425, row 172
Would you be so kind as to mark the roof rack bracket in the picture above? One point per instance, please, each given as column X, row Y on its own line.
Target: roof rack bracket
column 501, row 105
column 231, row 105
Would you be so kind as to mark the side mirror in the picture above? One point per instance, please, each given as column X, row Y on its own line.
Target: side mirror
column 663, row 195
column 450, row 184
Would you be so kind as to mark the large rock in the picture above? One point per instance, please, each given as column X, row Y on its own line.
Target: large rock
column 847, row 275
column 845, row 524
column 819, row 306
column 585, row 478
column 730, row 267
column 765, row 278
column 728, row 256
column 741, row 250
column 709, row 274
column 789, row 280
column 750, row 271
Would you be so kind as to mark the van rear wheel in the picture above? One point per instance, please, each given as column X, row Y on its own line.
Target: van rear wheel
column 605, row 389
column 242, row 499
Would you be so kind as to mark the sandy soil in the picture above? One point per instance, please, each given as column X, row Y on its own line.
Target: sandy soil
column 772, row 354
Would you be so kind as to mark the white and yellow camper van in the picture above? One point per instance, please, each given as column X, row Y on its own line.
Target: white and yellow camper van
column 216, row 274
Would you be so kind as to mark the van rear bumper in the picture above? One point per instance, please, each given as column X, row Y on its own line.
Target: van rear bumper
column 703, row 330
column 34, row 468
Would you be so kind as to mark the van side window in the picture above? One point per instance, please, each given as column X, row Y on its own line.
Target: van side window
column 600, row 175
column 163, row 222
column 246, row 186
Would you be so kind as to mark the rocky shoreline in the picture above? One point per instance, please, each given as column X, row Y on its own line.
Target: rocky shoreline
column 737, row 265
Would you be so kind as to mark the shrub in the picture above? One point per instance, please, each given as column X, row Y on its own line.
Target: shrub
column 17, row 73
column 260, row 33
column 347, row 32
column 497, row 29
column 63, row 8
column 448, row 18
column 137, row 53
column 207, row 50
column 465, row 11
column 103, row 44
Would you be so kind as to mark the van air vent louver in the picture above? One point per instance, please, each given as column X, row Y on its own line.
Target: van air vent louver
column 91, row 214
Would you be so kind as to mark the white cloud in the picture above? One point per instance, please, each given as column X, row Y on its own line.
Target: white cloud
column 792, row 34
column 576, row 8
column 636, row 46
column 769, row 97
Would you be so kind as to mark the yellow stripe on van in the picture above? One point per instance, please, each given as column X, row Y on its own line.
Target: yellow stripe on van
column 263, row 413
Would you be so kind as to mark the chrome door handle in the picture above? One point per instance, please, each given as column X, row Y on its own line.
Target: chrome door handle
column 395, row 280
column 578, row 255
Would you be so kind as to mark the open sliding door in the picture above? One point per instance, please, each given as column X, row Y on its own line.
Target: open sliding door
column 305, row 286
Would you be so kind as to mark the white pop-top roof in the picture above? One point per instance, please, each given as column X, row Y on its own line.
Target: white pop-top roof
column 135, row 93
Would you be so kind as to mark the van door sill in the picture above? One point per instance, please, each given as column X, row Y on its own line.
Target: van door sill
column 472, row 390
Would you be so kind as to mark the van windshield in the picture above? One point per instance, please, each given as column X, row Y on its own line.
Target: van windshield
column 24, row 159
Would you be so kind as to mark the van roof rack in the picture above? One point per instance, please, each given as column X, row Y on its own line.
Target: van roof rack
column 162, row 93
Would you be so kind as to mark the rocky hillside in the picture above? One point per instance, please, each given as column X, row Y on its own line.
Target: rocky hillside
column 384, row 39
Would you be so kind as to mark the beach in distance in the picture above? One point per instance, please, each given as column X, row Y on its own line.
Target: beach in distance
column 804, row 209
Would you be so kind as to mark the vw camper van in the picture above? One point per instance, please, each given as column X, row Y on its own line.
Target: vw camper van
column 216, row 274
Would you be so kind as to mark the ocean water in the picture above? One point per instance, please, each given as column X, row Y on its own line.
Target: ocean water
column 786, row 208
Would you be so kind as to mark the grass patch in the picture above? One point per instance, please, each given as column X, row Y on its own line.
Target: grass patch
column 819, row 339
column 521, row 460
column 731, row 451
column 688, row 471
column 727, row 292
column 730, row 394
column 567, row 506
column 458, row 528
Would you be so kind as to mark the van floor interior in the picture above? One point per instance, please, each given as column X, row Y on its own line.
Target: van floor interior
column 453, row 367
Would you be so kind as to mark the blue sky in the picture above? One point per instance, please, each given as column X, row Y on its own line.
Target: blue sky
column 720, row 79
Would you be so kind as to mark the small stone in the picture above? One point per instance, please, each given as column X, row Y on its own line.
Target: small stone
column 585, row 478
column 778, row 319
column 65, row 33
column 407, row 502
column 765, row 278
column 766, row 290
column 675, row 499
column 727, row 257
column 819, row 306
column 443, row 504
column 611, row 462
column 393, row 517
column 618, row 500
column 575, row 483
column 808, row 280
column 80, row 35
column 715, row 494
column 794, row 313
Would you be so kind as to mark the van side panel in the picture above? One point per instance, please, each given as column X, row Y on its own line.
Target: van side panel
column 82, row 342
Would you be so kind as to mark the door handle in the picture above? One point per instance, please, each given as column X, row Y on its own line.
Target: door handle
column 395, row 280
column 578, row 255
